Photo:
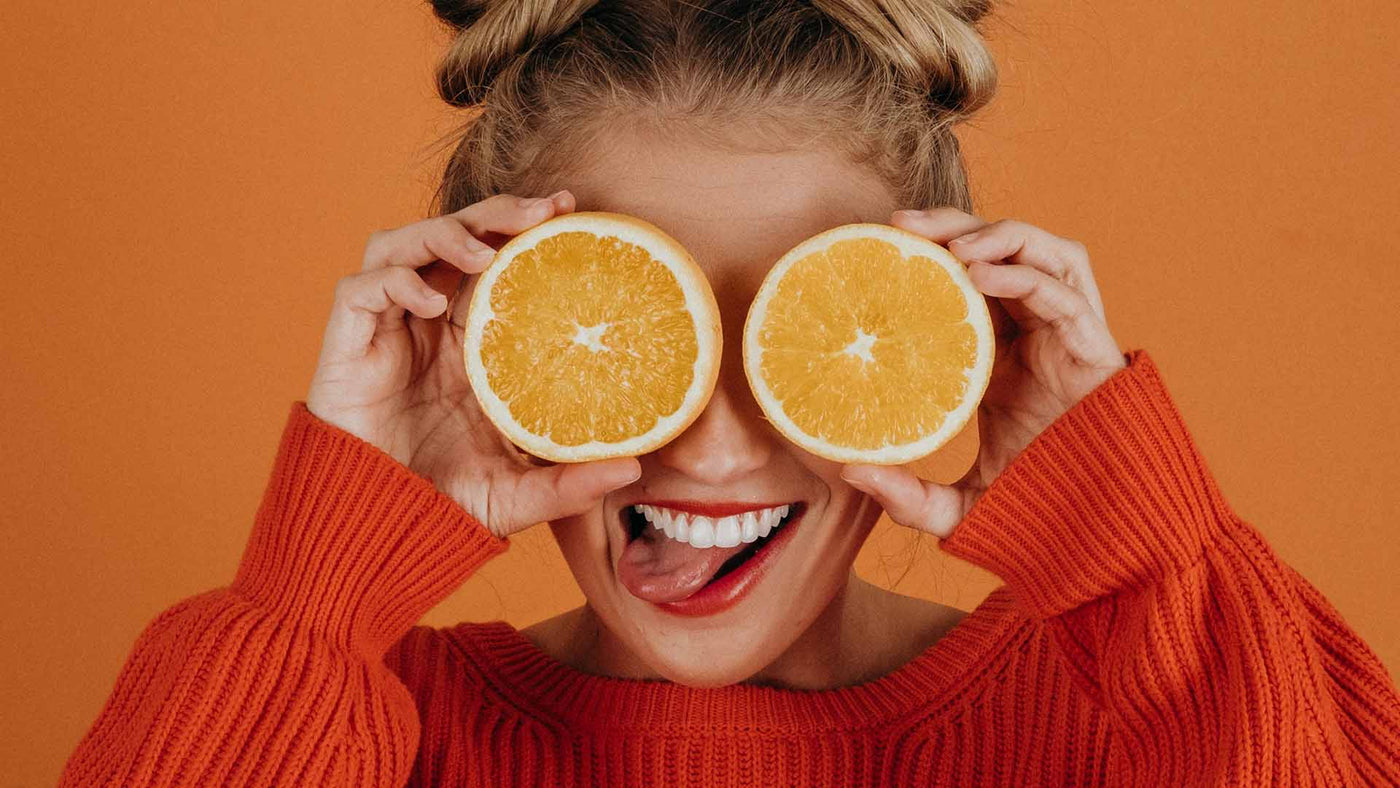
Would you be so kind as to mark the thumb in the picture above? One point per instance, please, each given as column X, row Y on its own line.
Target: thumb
column 908, row 500
column 566, row 489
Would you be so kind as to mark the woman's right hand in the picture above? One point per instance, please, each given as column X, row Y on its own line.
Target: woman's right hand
column 391, row 370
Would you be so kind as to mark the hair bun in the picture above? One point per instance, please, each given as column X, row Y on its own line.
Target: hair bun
column 492, row 35
column 933, row 45
column 972, row 11
column 457, row 13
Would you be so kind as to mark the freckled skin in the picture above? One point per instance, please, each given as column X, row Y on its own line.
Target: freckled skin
column 811, row 623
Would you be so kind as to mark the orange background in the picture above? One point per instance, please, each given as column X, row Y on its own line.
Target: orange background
column 183, row 188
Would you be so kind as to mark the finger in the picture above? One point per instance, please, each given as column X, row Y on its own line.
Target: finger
column 1025, row 244
column 363, row 300
column 507, row 214
column 421, row 243
column 459, row 301
column 907, row 499
column 564, row 202
column 556, row 491
column 462, row 237
column 1048, row 301
column 939, row 225
column 443, row 277
column 943, row 224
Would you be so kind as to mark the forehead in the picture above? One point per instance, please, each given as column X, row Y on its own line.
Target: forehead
column 737, row 211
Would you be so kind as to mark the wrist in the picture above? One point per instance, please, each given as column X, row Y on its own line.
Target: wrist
column 352, row 543
column 1113, row 495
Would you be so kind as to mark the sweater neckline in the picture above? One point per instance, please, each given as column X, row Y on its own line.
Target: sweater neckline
column 538, row 684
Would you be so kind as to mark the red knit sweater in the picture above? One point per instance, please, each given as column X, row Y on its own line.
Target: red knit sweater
column 1145, row 636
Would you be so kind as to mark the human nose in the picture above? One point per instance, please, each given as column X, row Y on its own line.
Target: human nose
column 728, row 441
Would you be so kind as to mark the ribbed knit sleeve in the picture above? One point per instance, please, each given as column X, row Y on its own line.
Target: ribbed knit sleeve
column 1216, row 663
column 279, row 678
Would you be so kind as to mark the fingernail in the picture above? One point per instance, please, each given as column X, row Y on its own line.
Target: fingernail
column 970, row 238
column 621, row 480
column 907, row 213
column 558, row 194
column 857, row 483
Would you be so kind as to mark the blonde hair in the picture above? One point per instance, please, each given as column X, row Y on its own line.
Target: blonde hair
column 884, row 80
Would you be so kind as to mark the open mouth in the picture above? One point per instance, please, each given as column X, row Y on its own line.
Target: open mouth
column 674, row 552
column 683, row 529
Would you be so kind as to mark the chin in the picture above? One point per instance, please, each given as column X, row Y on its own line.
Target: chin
column 702, row 674
column 710, row 658
column 702, row 615
column 706, row 681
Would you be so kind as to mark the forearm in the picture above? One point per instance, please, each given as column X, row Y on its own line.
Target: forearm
column 279, row 678
column 1226, row 669
column 1171, row 613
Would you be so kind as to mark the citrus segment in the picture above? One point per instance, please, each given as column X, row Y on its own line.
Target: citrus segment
column 868, row 344
column 592, row 335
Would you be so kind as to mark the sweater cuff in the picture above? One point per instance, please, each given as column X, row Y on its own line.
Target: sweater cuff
column 350, row 542
column 1113, row 495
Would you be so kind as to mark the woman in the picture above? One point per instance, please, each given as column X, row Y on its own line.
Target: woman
column 1145, row 634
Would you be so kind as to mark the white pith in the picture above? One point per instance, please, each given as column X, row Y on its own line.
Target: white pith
column 697, row 530
column 591, row 337
column 908, row 244
column 860, row 346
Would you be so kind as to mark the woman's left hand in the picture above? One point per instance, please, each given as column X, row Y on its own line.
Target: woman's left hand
column 1053, row 347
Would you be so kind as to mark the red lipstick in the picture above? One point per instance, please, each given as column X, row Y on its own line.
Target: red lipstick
column 710, row 508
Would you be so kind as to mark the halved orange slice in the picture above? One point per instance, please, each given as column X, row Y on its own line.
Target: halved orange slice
column 869, row 344
column 592, row 335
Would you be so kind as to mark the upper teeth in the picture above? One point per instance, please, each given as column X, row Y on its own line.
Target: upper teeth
column 700, row 531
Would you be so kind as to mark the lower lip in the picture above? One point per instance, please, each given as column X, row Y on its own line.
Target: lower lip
column 726, row 592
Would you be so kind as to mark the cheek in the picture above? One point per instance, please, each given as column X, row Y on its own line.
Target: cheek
column 850, row 516
column 827, row 471
column 583, row 540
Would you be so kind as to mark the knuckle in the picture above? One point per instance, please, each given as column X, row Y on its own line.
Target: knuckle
column 456, row 232
column 475, row 218
column 399, row 276
column 445, row 229
column 1079, row 310
column 374, row 243
column 502, row 200
column 345, row 286
column 1074, row 259
column 445, row 224
column 1069, row 315
column 925, row 513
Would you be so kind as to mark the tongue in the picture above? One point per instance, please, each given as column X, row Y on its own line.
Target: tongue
column 658, row 568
